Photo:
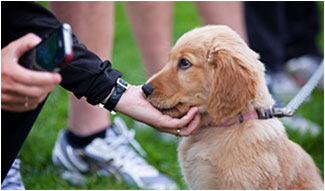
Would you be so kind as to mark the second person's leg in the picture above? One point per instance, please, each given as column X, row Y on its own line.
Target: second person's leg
column 223, row 13
column 151, row 23
column 108, row 150
column 93, row 24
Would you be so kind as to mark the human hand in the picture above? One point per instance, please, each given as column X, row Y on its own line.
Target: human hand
column 23, row 89
column 134, row 104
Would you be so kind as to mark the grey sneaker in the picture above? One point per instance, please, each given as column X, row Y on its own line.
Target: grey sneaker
column 301, row 124
column 115, row 154
column 302, row 68
column 283, row 87
column 13, row 179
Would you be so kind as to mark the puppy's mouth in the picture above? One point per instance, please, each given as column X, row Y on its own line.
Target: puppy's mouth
column 177, row 111
column 163, row 110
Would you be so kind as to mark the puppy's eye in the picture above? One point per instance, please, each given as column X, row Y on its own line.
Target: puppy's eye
column 184, row 64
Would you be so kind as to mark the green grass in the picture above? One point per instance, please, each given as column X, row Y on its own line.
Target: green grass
column 37, row 168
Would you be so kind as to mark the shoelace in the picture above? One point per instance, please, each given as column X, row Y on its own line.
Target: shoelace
column 129, row 135
column 129, row 158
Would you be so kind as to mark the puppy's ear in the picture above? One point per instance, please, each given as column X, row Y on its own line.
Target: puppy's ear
column 234, row 84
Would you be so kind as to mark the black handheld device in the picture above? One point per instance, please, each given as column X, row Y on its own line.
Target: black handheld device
column 52, row 53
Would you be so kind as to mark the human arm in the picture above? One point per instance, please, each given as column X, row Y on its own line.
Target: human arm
column 134, row 104
column 86, row 75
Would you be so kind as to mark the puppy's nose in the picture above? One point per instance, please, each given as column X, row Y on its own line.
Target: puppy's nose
column 147, row 89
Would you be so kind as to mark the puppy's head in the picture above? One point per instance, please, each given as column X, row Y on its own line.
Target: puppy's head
column 211, row 68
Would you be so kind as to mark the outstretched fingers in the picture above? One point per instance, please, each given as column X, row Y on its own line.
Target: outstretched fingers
column 187, row 124
column 169, row 122
column 192, row 127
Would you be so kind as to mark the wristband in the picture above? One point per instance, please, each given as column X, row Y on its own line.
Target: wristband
column 120, row 87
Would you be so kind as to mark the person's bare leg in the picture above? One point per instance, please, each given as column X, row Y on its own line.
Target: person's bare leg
column 151, row 23
column 93, row 24
column 224, row 13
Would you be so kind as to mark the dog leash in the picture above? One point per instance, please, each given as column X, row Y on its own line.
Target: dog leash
column 301, row 96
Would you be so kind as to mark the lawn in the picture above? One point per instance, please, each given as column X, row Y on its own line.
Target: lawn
column 37, row 168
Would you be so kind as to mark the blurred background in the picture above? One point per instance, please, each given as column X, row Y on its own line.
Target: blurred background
column 39, row 172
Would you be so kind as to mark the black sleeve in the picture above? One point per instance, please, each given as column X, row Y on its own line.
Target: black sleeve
column 86, row 75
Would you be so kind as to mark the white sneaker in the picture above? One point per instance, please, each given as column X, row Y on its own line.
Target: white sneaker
column 115, row 154
column 165, row 137
column 13, row 179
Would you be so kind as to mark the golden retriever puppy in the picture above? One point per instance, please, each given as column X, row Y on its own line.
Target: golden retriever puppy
column 213, row 69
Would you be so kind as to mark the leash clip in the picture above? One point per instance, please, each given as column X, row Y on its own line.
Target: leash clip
column 282, row 112
column 266, row 114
